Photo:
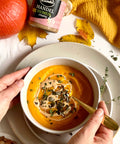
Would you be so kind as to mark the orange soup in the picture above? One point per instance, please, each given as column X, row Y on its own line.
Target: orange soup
column 49, row 97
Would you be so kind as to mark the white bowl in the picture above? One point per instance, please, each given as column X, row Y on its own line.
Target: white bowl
column 58, row 61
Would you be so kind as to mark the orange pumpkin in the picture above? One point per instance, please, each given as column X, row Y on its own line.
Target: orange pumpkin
column 13, row 14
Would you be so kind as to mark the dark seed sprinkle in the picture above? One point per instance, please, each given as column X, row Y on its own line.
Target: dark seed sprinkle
column 31, row 89
column 71, row 134
column 74, row 109
column 71, row 111
column 36, row 103
column 53, row 92
column 114, row 57
column 51, row 123
column 39, row 78
column 118, row 97
column 72, row 74
column 76, row 117
column 71, row 105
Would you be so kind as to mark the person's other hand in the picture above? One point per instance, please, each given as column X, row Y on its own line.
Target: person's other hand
column 10, row 86
column 93, row 132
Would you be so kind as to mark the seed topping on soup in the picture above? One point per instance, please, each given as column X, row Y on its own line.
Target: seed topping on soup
column 56, row 101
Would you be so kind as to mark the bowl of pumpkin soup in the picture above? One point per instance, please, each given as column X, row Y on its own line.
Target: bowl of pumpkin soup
column 46, row 97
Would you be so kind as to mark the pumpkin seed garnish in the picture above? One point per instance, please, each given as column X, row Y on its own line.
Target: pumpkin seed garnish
column 45, row 96
column 51, row 99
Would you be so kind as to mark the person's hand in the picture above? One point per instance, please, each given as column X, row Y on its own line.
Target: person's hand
column 93, row 132
column 10, row 86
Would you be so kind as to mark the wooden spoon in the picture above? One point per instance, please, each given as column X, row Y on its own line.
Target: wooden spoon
column 107, row 121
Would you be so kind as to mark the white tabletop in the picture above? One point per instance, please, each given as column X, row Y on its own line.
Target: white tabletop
column 12, row 52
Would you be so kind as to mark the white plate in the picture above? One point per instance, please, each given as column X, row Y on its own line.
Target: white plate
column 64, row 138
column 82, row 53
column 20, row 127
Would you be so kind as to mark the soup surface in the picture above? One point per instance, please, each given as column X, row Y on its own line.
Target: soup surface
column 49, row 97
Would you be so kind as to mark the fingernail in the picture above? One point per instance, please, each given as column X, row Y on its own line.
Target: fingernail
column 99, row 112
column 28, row 68
column 19, row 83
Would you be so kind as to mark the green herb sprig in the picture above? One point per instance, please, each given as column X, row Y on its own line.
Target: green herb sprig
column 103, row 87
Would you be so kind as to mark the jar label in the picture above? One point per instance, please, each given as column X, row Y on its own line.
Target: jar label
column 45, row 8
column 48, row 12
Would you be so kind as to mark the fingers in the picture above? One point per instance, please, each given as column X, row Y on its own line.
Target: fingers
column 9, row 93
column 104, row 107
column 15, row 101
column 103, row 129
column 94, row 123
column 9, row 79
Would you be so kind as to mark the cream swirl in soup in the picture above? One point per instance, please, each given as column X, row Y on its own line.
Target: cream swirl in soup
column 56, row 101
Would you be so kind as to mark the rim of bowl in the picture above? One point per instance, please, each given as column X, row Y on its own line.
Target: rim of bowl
column 32, row 119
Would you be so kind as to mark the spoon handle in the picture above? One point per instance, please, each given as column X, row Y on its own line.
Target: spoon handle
column 107, row 121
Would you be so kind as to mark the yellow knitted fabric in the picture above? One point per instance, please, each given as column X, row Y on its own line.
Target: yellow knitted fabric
column 103, row 13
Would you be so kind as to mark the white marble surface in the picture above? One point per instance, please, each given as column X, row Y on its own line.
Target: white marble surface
column 12, row 52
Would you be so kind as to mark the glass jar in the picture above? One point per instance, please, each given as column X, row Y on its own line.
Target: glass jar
column 47, row 14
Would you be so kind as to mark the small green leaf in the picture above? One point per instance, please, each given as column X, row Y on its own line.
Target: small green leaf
column 72, row 74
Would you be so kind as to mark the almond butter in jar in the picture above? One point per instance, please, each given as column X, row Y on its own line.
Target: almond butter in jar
column 47, row 14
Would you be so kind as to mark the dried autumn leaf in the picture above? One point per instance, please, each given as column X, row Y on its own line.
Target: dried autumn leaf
column 84, row 29
column 74, row 38
column 30, row 34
